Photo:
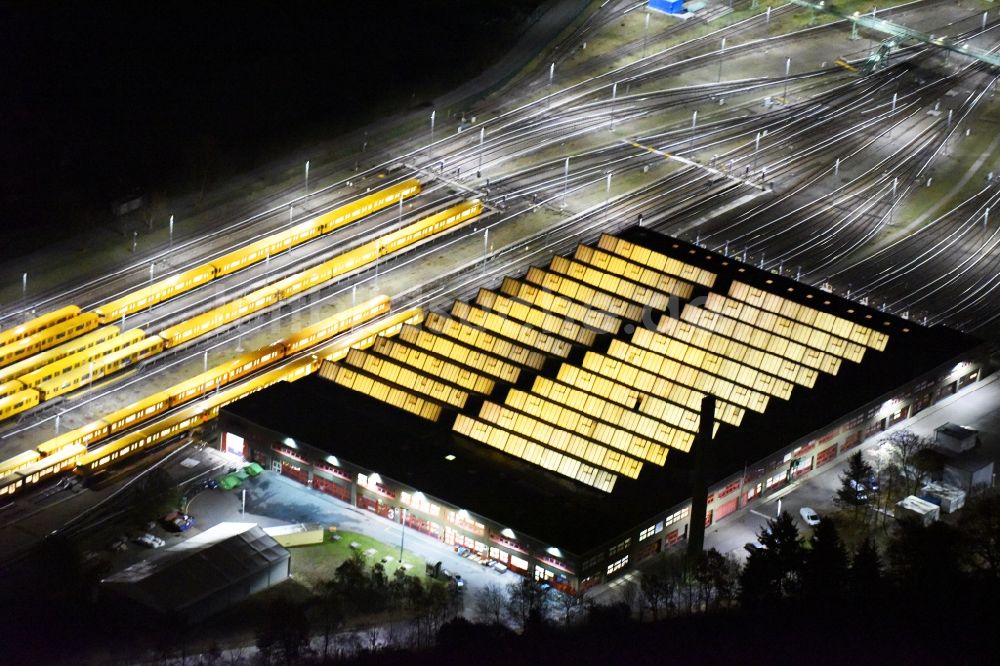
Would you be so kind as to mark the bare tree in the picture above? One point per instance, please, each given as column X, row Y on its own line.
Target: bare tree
column 526, row 601
column 630, row 593
column 568, row 606
column 905, row 447
column 490, row 602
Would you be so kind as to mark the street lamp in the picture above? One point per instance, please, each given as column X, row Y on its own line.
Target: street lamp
column 788, row 64
column 614, row 93
column 152, row 268
column 402, row 535
column 645, row 34
column 486, row 240
column 607, row 197
column 565, row 179
column 482, row 136
column 722, row 57
column 433, row 114
column 171, row 232
column 307, row 177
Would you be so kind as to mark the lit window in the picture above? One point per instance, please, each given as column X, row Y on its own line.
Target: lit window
column 616, row 565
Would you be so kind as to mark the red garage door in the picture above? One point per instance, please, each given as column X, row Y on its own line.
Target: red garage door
column 726, row 509
column 296, row 472
column 331, row 488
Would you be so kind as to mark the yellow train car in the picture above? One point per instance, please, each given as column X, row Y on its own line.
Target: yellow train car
column 17, row 403
column 300, row 282
column 224, row 373
column 41, row 469
column 102, row 367
column 336, row 324
column 18, row 462
column 344, row 215
column 58, row 462
column 224, row 314
column 364, row 337
column 138, row 412
column 41, row 359
column 146, row 297
column 429, row 226
column 266, row 247
column 48, row 337
column 142, row 439
column 285, row 240
column 10, row 388
column 37, row 324
column 92, row 432
column 81, row 359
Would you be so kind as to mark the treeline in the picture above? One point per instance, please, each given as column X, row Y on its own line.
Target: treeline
column 929, row 595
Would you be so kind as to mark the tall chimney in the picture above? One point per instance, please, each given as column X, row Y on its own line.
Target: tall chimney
column 699, row 490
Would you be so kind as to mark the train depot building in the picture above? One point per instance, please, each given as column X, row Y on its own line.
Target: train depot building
column 547, row 423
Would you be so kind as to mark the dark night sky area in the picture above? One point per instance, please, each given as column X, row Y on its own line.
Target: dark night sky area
column 100, row 99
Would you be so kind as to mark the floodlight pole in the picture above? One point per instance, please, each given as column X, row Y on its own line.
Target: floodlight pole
column 565, row 180
column 482, row 137
column 645, row 35
column 788, row 65
column 307, row 177
column 722, row 57
column 433, row 114
column 24, row 290
column 152, row 270
column 607, row 197
column 402, row 535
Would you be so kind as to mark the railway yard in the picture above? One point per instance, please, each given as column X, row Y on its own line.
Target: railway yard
column 765, row 134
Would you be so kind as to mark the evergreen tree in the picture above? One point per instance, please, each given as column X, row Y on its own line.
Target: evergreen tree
column 774, row 571
column 865, row 579
column 825, row 571
column 980, row 526
column 854, row 488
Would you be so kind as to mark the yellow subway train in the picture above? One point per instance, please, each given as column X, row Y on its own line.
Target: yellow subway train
column 82, row 368
column 255, row 252
column 48, row 337
column 37, row 324
column 16, row 472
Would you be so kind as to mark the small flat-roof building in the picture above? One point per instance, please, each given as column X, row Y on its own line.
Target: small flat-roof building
column 204, row 574
column 924, row 511
column 547, row 423
column 955, row 438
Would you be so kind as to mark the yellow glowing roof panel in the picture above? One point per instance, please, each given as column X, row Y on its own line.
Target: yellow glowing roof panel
column 460, row 354
column 511, row 329
column 656, row 260
column 518, row 446
column 612, row 284
column 584, row 294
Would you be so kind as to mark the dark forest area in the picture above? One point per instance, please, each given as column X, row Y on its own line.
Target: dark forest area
column 105, row 100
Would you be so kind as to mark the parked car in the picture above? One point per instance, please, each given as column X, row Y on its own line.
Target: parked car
column 150, row 541
column 859, row 488
column 751, row 546
column 810, row 516
column 459, row 583
column 119, row 544
column 177, row 521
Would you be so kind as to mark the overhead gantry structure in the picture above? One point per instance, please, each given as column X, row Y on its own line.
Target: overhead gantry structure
column 899, row 34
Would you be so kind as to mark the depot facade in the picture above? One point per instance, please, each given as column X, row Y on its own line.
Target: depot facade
column 526, row 555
